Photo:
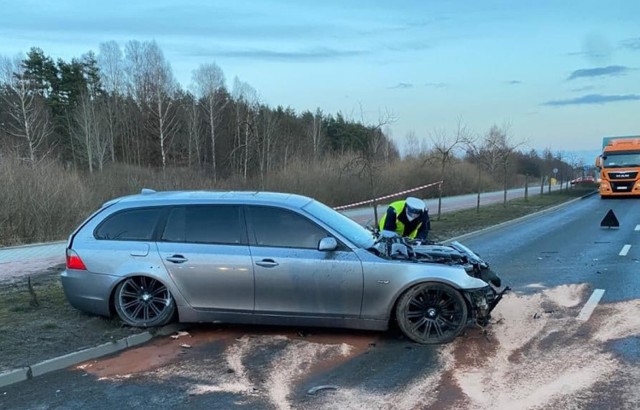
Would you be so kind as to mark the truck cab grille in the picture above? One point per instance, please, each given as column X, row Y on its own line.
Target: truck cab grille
column 623, row 174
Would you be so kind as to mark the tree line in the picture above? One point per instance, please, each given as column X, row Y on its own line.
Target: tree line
column 123, row 105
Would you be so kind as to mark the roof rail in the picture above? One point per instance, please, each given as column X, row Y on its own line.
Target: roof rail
column 147, row 191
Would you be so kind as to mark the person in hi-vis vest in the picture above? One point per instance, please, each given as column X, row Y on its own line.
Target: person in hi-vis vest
column 408, row 218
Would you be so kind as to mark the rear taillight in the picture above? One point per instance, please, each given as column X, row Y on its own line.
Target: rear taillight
column 74, row 261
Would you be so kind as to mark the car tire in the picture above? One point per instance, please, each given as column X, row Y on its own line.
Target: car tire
column 144, row 302
column 431, row 313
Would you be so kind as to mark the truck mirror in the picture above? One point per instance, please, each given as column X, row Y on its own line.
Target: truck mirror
column 598, row 161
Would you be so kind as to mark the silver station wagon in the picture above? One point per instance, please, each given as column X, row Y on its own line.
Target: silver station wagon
column 268, row 258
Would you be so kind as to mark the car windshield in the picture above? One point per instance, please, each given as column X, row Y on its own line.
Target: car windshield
column 627, row 159
column 345, row 226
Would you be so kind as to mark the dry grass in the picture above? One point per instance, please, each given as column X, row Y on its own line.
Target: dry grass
column 46, row 203
column 34, row 332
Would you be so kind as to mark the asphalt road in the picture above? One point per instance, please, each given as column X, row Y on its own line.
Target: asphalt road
column 546, row 347
column 365, row 216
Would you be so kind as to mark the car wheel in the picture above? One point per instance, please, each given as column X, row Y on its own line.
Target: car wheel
column 144, row 302
column 431, row 313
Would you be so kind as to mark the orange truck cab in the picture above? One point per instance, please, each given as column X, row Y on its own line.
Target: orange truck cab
column 619, row 166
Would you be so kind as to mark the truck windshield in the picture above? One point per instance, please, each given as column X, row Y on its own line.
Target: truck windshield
column 622, row 160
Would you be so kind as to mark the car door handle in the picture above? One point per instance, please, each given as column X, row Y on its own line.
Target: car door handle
column 267, row 263
column 177, row 259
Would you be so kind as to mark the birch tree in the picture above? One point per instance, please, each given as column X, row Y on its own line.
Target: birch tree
column 313, row 124
column 162, row 87
column 92, row 131
column 208, row 81
column 266, row 140
column 29, row 119
column 152, row 83
column 111, row 65
column 246, row 99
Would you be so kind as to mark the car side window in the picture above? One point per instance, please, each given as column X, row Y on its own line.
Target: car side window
column 283, row 228
column 129, row 225
column 211, row 224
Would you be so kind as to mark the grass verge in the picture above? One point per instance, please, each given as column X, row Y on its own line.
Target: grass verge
column 33, row 332
column 39, row 324
column 457, row 223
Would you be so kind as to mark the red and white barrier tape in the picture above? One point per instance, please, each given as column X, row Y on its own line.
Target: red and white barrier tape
column 387, row 196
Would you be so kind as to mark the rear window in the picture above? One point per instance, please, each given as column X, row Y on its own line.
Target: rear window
column 212, row 224
column 129, row 225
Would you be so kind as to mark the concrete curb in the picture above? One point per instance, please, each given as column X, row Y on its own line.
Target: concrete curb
column 517, row 220
column 62, row 362
column 32, row 245
column 13, row 376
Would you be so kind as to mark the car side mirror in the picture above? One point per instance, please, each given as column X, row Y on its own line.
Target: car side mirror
column 328, row 244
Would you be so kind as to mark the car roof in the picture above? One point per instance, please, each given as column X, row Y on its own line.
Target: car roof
column 151, row 197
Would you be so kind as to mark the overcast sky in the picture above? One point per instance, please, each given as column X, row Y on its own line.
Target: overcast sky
column 561, row 73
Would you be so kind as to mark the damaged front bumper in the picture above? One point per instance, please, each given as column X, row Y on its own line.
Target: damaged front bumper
column 483, row 301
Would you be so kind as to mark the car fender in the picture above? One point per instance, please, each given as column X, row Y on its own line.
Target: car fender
column 386, row 280
column 154, row 271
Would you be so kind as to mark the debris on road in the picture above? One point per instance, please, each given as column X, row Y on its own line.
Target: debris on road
column 316, row 389
column 180, row 334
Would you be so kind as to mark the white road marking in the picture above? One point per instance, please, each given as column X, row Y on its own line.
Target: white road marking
column 637, row 228
column 591, row 304
column 625, row 250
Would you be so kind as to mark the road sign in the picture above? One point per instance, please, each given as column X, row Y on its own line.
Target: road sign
column 555, row 170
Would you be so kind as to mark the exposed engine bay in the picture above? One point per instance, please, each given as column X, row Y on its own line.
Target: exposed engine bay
column 481, row 301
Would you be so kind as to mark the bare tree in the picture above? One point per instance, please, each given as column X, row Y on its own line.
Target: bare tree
column 112, row 75
column 162, row 88
column 28, row 113
column 412, row 145
column 444, row 148
column 247, row 103
column 208, row 81
column 500, row 144
column 314, row 131
column 152, row 84
column 387, row 145
column 474, row 151
column 371, row 145
column 86, row 130
column 194, row 133
column 91, row 131
column 266, row 139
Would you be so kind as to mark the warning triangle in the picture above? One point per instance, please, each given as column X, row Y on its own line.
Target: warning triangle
column 610, row 220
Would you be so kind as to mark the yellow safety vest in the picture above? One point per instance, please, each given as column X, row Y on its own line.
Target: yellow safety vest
column 398, row 206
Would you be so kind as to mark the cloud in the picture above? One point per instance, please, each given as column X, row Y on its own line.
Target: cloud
column 631, row 43
column 596, row 48
column 583, row 89
column 612, row 70
column 409, row 46
column 436, row 85
column 514, row 82
column 591, row 55
column 593, row 99
column 401, row 86
column 274, row 55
